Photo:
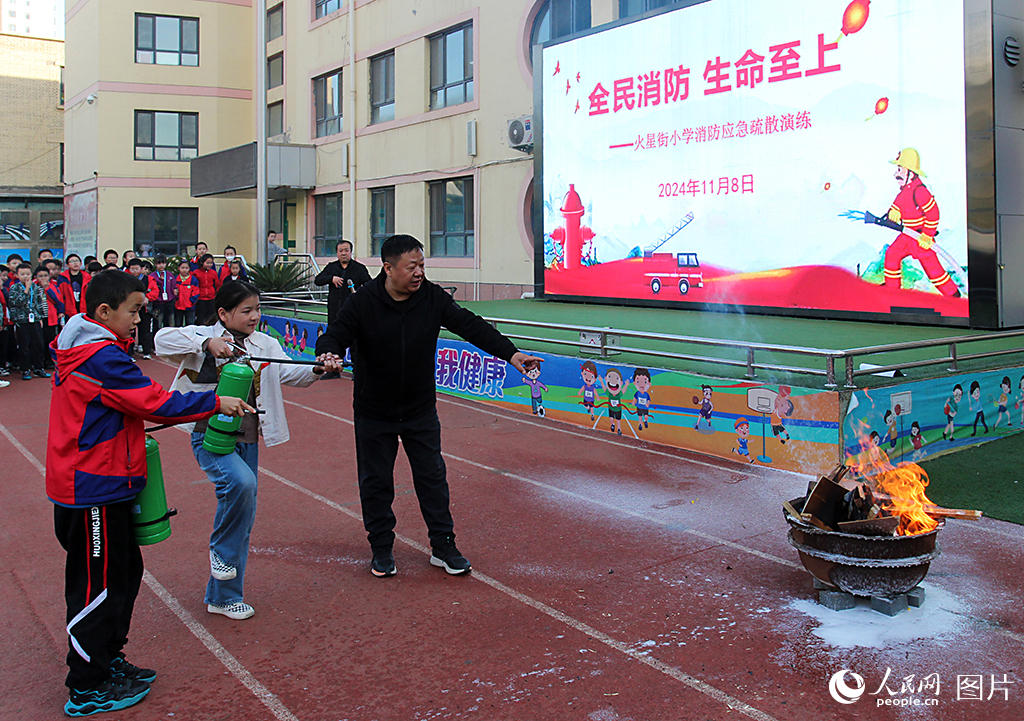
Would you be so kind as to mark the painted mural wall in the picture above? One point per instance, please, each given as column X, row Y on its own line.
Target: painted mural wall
column 913, row 421
column 784, row 427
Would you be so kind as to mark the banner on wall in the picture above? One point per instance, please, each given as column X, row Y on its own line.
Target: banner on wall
column 794, row 429
column 80, row 219
column 913, row 421
column 808, row 155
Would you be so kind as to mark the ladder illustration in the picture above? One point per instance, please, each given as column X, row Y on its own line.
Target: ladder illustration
column 669, row 234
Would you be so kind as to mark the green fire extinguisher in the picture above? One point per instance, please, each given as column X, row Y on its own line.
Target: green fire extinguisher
column 236, row 381
column 150, row 516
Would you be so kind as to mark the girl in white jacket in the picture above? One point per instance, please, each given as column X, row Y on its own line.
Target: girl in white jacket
column 200, row 351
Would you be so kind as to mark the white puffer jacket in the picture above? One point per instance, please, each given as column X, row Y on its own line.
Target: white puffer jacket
column 184, row 346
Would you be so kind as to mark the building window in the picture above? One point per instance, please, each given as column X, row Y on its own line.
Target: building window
column 329, row 228
column 382, row 88
column 327, row 104
column 560, row 17
column 62, row 86
column 326, row 7
column 168, row 231
column 166, row 136
column 636, row 7
column 451, row 67
column 275, row 119
column 451, row 218
column 275, row 22
column 166, row 40
column 382, row 217
column 275, row 71
column 62, row 162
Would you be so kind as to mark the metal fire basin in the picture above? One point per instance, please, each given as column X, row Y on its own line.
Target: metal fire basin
column 863, row 565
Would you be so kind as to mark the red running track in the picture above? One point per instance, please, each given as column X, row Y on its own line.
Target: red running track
column 612, row 580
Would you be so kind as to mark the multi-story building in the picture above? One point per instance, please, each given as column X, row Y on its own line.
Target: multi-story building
column 403, row 105
column 35, row 18
column 31, row 144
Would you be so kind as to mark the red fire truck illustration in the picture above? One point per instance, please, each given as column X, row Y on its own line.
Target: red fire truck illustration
column 679, row 269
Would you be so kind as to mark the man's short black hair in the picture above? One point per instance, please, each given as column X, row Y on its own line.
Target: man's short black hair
column 112, row 287
column 134, row 261
column 87, row 259
column 43, row 250
column 13, row 256
column 94, row 267
column 343, row 242
column 160, row 258
column 229, row 247
column 397, row 245
column 107, row 252
column 40, row 269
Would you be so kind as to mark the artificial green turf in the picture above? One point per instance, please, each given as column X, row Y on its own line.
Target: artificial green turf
column 986, row 477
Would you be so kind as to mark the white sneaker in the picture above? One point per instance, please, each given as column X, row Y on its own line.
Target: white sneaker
column 4, row 384
column 220, row 570
column 238, row 610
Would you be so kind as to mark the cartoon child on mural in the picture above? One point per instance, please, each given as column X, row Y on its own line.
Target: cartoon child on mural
column 915, row 208
column 1004, row 399
column 706, row 407
column 615, row 388
column 890, row 420
column 642, row 397
column 916, row 441
column 951, row 408
column 1020, row 401
column 782, row 410
column 742, row 427
column 978, row 407
column 536, row 399
column 589, row 390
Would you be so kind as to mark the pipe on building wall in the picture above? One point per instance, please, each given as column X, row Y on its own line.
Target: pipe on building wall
column 351, row 83
column 261, row 131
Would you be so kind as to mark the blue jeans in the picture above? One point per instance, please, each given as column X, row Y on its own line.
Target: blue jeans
column 234, row 479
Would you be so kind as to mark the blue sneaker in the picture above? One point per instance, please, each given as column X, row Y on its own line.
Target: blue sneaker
column 113, row 694
column 121, row 668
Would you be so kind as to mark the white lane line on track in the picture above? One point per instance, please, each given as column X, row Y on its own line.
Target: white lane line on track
column 671, row 671
column 232, row 664
column 588, row 499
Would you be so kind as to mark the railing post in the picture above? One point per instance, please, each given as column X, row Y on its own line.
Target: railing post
column 604, row 340
column 830, row 372
column 849, row 372
column 750, row 363
column 952, row 355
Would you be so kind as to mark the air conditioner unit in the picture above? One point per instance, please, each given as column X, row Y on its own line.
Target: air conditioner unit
column 520, row 133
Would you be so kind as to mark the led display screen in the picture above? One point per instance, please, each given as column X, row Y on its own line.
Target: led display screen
column 807, row 155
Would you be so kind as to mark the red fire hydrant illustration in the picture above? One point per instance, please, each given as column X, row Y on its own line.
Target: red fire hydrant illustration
column 573, row 234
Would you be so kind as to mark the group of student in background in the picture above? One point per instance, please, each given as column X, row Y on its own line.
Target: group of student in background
column 36, row 300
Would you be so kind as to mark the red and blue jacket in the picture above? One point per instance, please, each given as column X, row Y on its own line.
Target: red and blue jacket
column 186, row 292
column 208, row 281
column 53, row 303
column 96, row 452
column 72, row 294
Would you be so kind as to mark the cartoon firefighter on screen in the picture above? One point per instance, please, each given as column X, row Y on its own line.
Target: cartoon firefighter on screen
column 915, row 214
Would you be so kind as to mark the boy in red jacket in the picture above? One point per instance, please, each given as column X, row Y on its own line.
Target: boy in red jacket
column 95, row 465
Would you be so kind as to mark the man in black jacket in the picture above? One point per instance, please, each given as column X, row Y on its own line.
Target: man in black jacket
column 343, row 276
column 393, row 323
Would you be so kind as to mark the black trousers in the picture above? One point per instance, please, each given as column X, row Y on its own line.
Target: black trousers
column 30, row 345
column 204, row 311
column 183, row 318
column 163, row 314
column 146, row 331
column 102, row 576
column 376, row 451
column 50, row 332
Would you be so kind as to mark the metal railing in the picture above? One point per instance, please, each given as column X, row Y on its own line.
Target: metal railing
column 822, row 362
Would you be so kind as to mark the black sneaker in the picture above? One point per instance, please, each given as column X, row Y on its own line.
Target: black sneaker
column 113, row 694
column 383, row 563
column 41, row 374
column 446, row 555
column 121, row 668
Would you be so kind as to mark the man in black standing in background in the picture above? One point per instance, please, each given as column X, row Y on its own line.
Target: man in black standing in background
column 394, row 323
column 343, row 276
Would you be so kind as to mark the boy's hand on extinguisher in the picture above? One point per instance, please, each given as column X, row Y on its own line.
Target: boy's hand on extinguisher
column 234, row 407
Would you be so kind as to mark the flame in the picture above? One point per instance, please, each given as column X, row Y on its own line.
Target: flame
column 899, row 490
column 881, row 106
column 856, row 16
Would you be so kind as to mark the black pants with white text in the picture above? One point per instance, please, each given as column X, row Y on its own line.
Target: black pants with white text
column 101, row 580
